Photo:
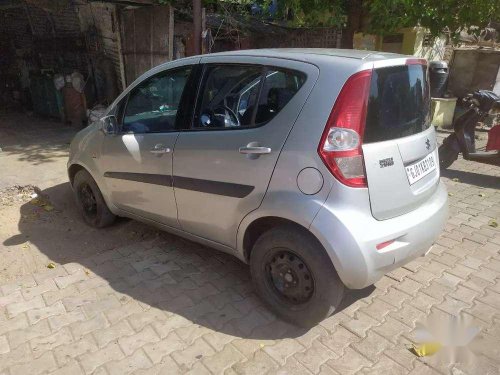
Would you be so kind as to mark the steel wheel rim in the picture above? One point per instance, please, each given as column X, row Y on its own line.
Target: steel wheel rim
column 289, row 277
column 87, row 199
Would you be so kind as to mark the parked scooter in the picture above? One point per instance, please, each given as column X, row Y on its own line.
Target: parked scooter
column 462, row 140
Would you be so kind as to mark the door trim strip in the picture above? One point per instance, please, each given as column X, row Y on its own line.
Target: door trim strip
column 227, row 189
column 147, row 178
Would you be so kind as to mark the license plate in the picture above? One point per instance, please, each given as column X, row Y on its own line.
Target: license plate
column 420, row 169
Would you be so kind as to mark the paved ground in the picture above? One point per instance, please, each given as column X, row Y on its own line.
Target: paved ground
column 151, row 303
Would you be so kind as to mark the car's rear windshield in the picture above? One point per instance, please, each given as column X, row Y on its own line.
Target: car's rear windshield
column 399, row 103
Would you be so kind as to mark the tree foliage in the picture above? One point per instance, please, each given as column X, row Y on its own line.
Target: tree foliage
column 436, row 15
column 369, row 16
column 384, row 16
column 311, row 12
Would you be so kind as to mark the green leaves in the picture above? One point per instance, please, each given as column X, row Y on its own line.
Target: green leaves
column 378, row 16
column 435, row 15
column 312, row 12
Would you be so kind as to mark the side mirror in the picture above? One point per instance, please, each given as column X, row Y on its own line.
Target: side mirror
column 109, row 125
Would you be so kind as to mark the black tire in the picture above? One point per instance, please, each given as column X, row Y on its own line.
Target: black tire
column 295, row 304
column 447, row 154
column 89, row 199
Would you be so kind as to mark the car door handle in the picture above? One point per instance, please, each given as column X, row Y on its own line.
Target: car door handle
column 160, row 149
column 255, row 150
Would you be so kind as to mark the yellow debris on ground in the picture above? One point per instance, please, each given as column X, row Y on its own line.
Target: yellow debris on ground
column 426, row 349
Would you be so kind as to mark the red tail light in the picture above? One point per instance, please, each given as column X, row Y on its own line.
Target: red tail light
column 340, row 146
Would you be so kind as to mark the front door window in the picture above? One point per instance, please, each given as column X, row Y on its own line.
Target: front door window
column 152, row 105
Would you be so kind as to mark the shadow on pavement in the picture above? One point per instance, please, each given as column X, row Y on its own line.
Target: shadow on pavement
column 471, row 178
column 33, row 139
column 40, row 153
column 209, row 288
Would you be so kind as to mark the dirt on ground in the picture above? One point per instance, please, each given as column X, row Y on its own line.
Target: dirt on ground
column 39, row 222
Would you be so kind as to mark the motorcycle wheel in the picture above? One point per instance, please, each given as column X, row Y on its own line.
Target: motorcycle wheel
column 447, row 154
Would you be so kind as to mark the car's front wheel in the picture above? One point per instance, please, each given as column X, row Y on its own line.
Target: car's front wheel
column 89, row 199
column 294, row 276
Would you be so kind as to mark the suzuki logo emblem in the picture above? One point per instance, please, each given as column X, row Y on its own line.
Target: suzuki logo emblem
column 428, row 144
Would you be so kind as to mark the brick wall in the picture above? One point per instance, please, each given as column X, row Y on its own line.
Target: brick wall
column 14, row 28
column 277, row 37
column 63, row 22
column 298, row 38
column 41, row 36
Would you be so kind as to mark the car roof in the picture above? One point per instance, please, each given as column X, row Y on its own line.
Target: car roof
column 309, row 53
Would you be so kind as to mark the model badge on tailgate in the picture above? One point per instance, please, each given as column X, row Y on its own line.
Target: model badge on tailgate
column 386, row 162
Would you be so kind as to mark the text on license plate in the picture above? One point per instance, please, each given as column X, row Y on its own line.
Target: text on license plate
column 420, row 169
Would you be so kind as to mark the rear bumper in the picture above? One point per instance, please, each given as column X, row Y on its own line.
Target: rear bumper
column 350, row 236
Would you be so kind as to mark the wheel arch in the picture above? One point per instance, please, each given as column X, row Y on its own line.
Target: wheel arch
column 262, row 224
column 78, row 166
column 73, row 170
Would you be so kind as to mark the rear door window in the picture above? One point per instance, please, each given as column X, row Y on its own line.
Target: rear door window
column 279, row 87
column 238, row 96
column 399, row 103
column 229, row 96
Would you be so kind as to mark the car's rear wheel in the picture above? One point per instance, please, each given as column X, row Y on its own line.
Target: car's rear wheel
column 294, row 276
column 89, row 199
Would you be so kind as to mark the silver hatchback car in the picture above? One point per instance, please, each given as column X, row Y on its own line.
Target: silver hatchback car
column 318, row 167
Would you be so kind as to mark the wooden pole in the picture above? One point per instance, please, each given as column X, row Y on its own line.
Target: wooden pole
column 171, row 31
column 197, row 26
column 203, row 31
column 118, row 35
